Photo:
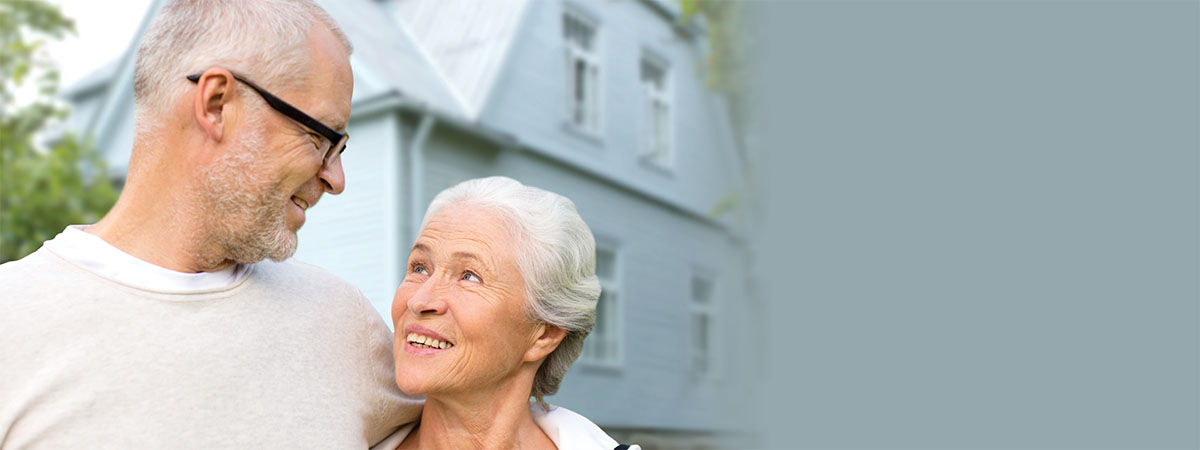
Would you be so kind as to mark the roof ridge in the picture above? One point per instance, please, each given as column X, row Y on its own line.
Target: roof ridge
column 437, row 69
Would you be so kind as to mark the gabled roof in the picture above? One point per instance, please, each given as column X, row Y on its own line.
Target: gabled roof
column 387, row 58
column 468, row 41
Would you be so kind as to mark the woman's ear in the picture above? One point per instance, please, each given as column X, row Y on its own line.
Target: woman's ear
column 548, row 338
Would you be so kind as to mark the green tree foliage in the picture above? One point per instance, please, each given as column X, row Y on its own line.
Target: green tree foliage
column 724, row 20
column 46, row 182
column 725, row 72
column 727, row 51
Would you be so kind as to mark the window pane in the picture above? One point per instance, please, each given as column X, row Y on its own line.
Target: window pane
column 571, row 29
column 657, row 119
column 606, row 262
column 577, row 32
column 569, row 83
column 578, row 92
column 602, row 343
column 648, row 134
column 652, row 74
column 582, row 72
column 661, row 145
column 585, row 38
column 593, row 98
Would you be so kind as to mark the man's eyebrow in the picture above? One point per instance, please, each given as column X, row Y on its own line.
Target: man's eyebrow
column 339, row 125
column 331, row 120
column 420, row 246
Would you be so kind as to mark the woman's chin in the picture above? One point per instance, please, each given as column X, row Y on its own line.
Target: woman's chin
column 411, row 384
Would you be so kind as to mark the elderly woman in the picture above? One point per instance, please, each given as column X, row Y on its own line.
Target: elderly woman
column 499, row 294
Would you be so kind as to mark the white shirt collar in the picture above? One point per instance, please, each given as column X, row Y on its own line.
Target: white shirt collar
column 94, row 254
column 566, row 428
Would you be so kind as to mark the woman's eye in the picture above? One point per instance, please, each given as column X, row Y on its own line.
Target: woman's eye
column 470, row 276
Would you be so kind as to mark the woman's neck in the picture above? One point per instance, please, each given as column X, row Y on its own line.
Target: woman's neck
column 497, row 418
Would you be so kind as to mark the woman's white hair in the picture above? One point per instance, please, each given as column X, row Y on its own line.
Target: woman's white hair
column 556, row 256
column 263, row 40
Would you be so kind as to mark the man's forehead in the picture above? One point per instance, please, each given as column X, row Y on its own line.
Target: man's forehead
column 329, row 99
column 331, row 81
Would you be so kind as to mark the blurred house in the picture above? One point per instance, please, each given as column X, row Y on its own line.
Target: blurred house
column 601, row 101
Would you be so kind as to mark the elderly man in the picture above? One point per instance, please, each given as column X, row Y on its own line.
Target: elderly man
column 161, row 326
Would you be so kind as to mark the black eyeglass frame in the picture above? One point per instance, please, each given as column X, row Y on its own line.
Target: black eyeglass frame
column 337, row 139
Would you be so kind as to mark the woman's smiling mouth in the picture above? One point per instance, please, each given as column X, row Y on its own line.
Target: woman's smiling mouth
column 421, row 341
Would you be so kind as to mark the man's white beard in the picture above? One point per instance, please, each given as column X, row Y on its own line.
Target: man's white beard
column 245, row 211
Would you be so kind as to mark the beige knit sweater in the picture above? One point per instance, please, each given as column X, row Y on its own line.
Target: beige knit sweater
column 288, row 357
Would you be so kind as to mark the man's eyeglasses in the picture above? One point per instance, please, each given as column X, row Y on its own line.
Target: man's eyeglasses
column 333, row 142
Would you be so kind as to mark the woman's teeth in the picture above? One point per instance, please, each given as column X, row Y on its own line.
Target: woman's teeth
column 422, row 341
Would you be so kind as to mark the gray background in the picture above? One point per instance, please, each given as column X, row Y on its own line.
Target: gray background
column 982, row 223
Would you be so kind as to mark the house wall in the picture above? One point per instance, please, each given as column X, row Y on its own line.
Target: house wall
column 529, row 101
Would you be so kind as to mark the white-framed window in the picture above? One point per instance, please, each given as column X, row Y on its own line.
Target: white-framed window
column 703, row 328
column 657, row 123
column 603, row 345
column 583, row 71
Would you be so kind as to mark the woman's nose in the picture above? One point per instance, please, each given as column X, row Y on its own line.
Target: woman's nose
column 427, row 299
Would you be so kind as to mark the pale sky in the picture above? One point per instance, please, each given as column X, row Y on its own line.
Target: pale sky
column 105, row 29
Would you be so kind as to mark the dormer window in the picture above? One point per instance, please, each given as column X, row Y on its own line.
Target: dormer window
column 656, row 120
column 583, row 72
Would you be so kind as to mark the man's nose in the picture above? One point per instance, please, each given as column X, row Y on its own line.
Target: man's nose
column 332, row 176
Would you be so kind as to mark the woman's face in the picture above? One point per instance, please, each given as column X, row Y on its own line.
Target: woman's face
column 462, row 288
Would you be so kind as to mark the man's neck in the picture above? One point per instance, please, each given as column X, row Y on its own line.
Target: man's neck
column 158, row 228
column 491, row 419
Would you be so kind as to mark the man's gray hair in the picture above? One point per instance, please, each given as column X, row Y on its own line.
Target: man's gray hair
column 264, row 40
column 556, row 256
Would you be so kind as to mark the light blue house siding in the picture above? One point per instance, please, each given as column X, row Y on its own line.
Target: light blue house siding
column 529, row 100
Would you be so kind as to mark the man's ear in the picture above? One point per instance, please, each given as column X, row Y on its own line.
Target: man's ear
column 214, row 91
column 548, row 338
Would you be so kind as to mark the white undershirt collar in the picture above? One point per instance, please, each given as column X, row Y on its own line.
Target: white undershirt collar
column 92, row 253
column 565, row 428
